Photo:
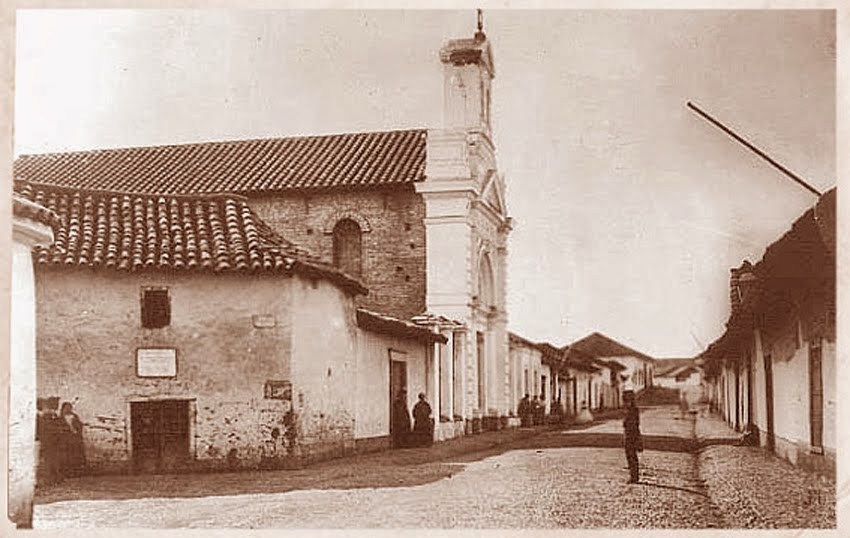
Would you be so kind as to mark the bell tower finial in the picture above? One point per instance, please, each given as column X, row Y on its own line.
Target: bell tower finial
column 480, row 33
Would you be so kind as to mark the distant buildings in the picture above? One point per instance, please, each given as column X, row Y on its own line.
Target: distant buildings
column 678, row 373
column 638, row 368
column 772, row 374
column 589, row 374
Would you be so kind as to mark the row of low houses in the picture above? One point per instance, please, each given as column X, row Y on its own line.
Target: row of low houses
column 589, row 374
column 772, row 374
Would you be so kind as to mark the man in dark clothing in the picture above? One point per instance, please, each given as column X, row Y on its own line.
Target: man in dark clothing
column 423, row 425
column 400, row 420
column 535, row 410
column 633, row 441
column 524, row 411
column 48, row 434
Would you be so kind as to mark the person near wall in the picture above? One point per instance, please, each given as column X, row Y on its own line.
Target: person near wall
column 524, row 411
column 48, row 434
column 632, row 438
column 290, row 432
column 423, row 423
column 539, row 410
column 401, row 420
column 71, row 444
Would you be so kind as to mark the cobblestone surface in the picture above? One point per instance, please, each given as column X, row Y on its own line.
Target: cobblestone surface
column 754, row 489
column 573, row 478
column 550, row 488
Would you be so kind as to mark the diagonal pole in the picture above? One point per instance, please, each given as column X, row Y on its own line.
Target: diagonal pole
column 752, row 148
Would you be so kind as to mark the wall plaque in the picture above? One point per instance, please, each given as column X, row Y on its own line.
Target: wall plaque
column 157, row 362
column 263, row 321
column 277, row 390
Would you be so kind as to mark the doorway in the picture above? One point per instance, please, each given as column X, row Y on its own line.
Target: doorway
column 816, row 397
column 768, row 393
column 160, row 435
column 574, row 390
column 398, row 383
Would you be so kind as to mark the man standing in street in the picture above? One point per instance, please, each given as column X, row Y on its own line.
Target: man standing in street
column 633, row 441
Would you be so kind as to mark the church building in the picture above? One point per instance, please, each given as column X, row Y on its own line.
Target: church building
column 417, row 216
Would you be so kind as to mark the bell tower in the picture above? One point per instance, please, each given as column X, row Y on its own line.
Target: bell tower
column 468, row 73
column 466, row 225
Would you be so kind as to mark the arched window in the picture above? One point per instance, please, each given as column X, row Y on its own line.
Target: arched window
column 486, row 291
column 347, row 247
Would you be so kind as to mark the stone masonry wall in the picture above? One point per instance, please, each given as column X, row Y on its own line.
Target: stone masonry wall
column 393, row 239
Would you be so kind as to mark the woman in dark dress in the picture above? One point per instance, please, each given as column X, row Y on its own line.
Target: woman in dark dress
column 72, row 454
column 423, row 425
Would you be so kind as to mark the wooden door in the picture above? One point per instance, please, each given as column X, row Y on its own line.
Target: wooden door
column 768, row 393
column 398, row 383
column 815, row 397
column 574, row 383
column 160, row 435
column 749, row 365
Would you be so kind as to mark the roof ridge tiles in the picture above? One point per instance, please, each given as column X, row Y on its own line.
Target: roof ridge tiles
column 267, row 165
column 199, row 196
column 215, row 142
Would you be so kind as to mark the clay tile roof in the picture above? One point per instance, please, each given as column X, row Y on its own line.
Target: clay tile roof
column 669, row 367
column 243, row 166
column 384, row 324
column 600, row 346
column 614, row 365
column 134, row 232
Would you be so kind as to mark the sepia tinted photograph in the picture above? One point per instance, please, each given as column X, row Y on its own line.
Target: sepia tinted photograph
column 423, row 269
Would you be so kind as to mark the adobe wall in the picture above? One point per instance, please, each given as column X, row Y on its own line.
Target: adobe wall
column 89, row 329
column 373, row 380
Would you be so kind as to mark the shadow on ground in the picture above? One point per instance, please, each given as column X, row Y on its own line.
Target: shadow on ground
column 392, row 468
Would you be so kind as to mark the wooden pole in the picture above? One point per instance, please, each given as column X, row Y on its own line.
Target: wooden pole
column 752, row 148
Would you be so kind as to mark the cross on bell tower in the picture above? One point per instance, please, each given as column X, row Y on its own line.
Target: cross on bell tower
column 479, row 35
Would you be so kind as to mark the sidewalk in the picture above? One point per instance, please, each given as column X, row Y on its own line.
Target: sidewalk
column 753, row 488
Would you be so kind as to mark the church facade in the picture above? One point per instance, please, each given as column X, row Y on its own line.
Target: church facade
column 418, row 216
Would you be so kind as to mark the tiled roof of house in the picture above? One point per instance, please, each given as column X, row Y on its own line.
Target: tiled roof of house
column 136, row 232
column 578, row 359
column 243, row 166
column 797, row 267
column 669, row 367
column 614, row 365
column 600, row 346
column 384, row 324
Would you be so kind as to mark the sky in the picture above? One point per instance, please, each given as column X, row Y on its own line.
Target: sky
column 629, row 209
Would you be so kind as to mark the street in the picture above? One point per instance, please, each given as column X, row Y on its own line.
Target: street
column 550, row 479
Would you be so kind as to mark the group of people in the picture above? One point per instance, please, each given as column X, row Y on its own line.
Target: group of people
column 60, row 436
column 532, row 412
column 422, row 433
